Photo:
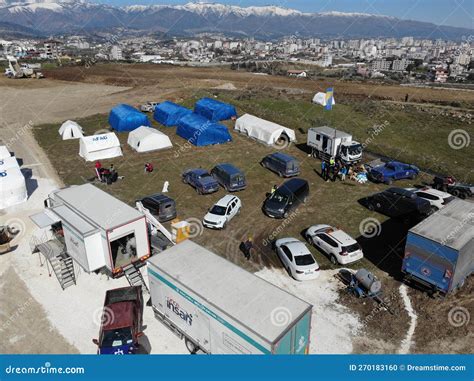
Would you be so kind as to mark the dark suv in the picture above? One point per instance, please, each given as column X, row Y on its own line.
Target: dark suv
column 398, row 202
column 229, row 177
column 286, row 198
column 161, row 206
column 282, row 164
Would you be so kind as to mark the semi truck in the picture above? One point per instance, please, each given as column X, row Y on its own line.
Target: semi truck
column 326, row 142
column 219, row 308
column 439, row 251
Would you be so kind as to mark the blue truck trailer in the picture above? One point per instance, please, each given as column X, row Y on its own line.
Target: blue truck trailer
column 439, row 251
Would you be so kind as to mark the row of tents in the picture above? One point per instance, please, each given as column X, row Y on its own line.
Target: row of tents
column 13, row 189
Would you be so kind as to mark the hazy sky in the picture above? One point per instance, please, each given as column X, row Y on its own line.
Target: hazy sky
column 443, row 12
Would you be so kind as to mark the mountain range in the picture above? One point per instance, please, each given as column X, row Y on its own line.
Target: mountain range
column 48, row 17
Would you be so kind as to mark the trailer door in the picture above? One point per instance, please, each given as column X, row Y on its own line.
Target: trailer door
column 202, row 328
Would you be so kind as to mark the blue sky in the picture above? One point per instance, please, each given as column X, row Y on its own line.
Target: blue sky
column 444, row 12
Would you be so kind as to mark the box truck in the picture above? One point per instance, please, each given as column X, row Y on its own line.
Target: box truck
column 439, row 252
column 219, row 308
column 327, row 142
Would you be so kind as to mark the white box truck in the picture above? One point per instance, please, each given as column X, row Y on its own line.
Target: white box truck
column 219, row 308
column 327, row 142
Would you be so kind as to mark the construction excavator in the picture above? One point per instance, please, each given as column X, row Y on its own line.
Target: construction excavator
column 15, row 70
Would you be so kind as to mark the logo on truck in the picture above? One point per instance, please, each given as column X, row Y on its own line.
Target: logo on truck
column 174, row 306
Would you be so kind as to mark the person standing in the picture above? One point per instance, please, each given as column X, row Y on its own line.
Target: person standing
column 324, row 170
column 248, row 246
column 332, row 168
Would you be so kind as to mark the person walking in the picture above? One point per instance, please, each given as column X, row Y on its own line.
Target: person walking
column 248, row 246
column 324, row 170
column 343, row 173
column 274, row 188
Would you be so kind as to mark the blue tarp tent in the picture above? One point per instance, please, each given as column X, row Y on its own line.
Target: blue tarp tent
column 214, row 110
column 126, row 118
column 169, row 113
column 201, row 132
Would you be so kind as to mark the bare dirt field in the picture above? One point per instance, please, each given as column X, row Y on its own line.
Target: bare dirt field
column 87, row 94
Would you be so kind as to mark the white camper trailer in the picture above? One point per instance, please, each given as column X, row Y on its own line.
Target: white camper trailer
column 264, row 131
column 98, row 230
column 99, row 147
column 327, row 142
column 70, row 130
column 146, row 139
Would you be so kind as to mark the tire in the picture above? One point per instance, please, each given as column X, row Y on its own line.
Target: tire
column 184, row 180
column 305, row 199
column 198, row 191
column 389, row 182
column 433, row 210
column 333, row 260
column 238, row 212
column 285, row 215
column 413, row 176
column 224, row 225
column 191, row 347
column 371, row 207
column 456, row 193
column 462, row 195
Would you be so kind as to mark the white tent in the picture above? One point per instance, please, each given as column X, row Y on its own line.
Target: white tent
column 70, row 130
column 320, row 99
column 98, row 147
column 4, row 152
column 12, row 183
column 145, row 139
column 263, row 130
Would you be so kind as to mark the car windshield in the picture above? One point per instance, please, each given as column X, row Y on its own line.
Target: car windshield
column 281, row 198
column 237, row 179
column 217, row 210
column 204, row 175
column 304, row 260
column 355, row 150
column 351, row 248
column 117, row 337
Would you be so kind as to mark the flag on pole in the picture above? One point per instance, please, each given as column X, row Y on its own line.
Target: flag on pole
column 329, row 98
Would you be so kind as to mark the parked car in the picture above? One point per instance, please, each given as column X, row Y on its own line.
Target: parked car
column 339, row 246
column 398, row 202
column 286, row 198
column 394, row 170
column 121, row 321
column 451, row 185
column 201, row 180
column 436, row 198
column 229, row 177
column 282, row 164
column 297, row 259
column 161, row 206
column 222, row 212
column 149, row 106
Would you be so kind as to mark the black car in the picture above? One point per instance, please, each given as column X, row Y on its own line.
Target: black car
column 282, row 164
column 398, row 202
column 161, row 206
column 286, row 198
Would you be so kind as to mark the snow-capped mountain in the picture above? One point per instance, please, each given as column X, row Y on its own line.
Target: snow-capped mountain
column 73, row 16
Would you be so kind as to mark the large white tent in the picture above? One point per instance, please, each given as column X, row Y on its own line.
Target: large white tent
column 263, row 130
column 99, row 147
column 4, row 152
column 12, row 182
column 70, row 130
column 145, row 139
column 320, row 99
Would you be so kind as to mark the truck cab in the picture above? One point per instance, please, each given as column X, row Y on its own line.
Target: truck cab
column 121, row 321
column 350, row 152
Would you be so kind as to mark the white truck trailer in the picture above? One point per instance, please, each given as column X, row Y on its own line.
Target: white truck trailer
column 327, row 142
column 219, row 308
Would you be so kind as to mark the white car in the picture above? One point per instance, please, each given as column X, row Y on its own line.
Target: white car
column 222, row 212
column 436, row 198
column 297, row 259
column 149, row 106
column 339, row 246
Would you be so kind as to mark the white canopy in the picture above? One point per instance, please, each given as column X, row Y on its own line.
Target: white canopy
column 70, row 130
column 320, row 99
column 4, row 152
column 263, row 130
column 98, row 147
column 144, row 139
column 12, row 184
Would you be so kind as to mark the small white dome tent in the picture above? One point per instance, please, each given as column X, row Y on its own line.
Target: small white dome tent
column 263, row 130
column 70, row 130
column 145, row 139
column 320, row 99
column 99, row 147
column 12, row 183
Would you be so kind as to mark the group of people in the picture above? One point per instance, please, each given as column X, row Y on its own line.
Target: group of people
column 106, row 175
column 333, row 169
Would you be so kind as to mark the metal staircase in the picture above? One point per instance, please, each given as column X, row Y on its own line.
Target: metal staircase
column 134, row 277
column 62, row 264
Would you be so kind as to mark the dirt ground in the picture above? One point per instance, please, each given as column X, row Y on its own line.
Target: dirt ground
column 77, row 93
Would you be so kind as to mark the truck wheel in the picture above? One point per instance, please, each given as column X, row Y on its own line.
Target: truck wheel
column 462, row 195
column 456, row 192
column 192, row 348
column 389, row 182
column 333, row 260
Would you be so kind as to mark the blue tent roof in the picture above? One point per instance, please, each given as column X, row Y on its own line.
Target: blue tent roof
column 201, row 132
column 126, row 118
column 214, row 110
column 169, row 113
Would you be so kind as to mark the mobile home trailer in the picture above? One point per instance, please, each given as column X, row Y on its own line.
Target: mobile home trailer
column 439, row 252
column 219, row 308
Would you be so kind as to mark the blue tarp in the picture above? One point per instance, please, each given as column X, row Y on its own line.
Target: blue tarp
column 201, row 132
column 169, row 113
column 214, row 110
column 126, row 118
